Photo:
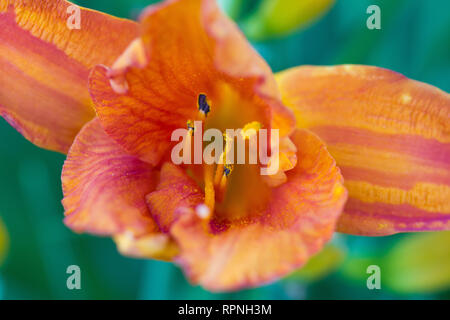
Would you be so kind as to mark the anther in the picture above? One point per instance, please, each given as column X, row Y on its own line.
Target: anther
column 228, row 168
column 190, row 126
column 220, row 171
column 251, row 129
column 204, row 105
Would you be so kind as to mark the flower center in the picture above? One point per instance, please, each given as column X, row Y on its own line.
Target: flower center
column 216, row 177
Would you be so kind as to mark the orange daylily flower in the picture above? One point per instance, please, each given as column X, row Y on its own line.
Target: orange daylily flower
column 227, row 230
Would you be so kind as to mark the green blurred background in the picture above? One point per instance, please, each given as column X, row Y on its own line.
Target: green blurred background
column 413, row 40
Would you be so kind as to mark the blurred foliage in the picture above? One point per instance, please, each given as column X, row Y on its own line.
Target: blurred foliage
column 321, row 265
column 415, row 264
column 420, row 263
column 413, row 40
column 4, row 241
column 280, row 17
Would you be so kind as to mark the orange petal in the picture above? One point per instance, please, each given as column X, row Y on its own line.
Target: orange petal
column 175, row 192
column 104, row 193
column 187, row 48
column 299, row 219
column 389, row 135
column 152, row 245
column 44, row 66
column 104, row 188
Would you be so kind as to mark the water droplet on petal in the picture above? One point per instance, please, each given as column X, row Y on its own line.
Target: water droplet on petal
column 202, row 211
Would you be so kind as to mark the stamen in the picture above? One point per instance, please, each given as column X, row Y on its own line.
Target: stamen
column 210, row 196
column 251, row 129
column 220, row 166
column 188, row 139
column 204, row 105
column 219, row 174
column 223, row 185
column 190, row 126
column 228, row 168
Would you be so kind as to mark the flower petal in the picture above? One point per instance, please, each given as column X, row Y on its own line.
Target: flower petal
column 104, row 188
column 152, row 245
column 300, row 218
column 187, row 48
column 44, row 66
column 104, row 193
column 174, row 192
column 390, row 136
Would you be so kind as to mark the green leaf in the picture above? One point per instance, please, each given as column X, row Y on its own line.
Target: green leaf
column 4, row 241
column 281, row 17
column 322, row 264
column 419, row 263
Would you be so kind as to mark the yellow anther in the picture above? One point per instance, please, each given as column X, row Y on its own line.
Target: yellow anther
column 251, row 129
